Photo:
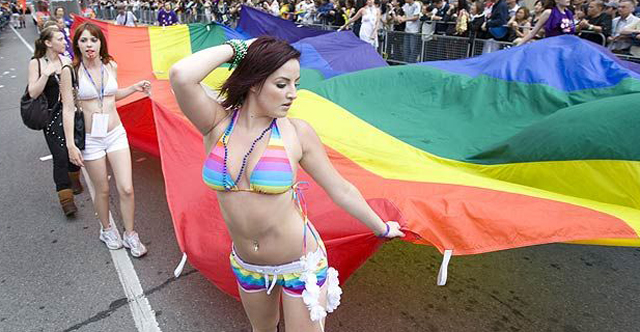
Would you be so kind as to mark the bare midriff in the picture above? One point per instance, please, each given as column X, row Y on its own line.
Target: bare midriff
column 91, row 106
column 272, row 220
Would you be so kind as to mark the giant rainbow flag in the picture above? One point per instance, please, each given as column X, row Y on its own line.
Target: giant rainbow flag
column 531, row 145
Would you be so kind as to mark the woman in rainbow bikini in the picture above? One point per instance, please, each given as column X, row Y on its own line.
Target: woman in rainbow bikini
column 253, row 155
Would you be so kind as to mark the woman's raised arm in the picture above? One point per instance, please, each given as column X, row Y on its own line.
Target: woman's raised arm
column 185, row 77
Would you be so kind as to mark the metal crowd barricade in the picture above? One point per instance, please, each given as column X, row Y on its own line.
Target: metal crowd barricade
column 403, row 47
column 482, row 46
column 442, row 47
column 382, row 41
column 319, row 26
column 599, row 38
column 149, row 16
column 331, row 27
column 316, row 26
column 629, row 58
column 434, row 47
column 142, row 15
column 393, row 47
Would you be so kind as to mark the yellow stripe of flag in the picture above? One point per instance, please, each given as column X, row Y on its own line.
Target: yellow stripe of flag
column 168, row 45
column 568, row 181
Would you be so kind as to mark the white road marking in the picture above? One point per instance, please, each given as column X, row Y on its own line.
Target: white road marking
column 143, row 316
column 23, row 41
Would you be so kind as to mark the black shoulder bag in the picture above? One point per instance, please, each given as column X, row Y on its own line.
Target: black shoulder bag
column 78, row 116
column 35, row 112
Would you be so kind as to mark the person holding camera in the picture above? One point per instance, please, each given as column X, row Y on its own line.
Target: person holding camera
column 394, row 40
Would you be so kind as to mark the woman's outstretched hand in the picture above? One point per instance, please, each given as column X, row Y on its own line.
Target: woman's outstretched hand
column 142, row 86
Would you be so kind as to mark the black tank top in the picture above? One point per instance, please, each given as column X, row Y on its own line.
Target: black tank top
column 52, row 89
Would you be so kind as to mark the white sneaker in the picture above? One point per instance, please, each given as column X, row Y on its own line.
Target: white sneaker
column 132, row 242
column 111, row 237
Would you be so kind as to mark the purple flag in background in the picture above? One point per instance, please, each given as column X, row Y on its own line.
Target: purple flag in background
column 256, row 23
column 338, row 53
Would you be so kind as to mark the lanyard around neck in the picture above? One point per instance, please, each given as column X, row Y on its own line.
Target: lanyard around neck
column 101, row 92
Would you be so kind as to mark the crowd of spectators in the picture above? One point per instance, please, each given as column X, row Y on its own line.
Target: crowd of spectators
column 167, row 12
column 408, row 22
column 613, row 23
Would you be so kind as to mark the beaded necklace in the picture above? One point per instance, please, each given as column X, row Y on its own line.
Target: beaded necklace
column 225, row 137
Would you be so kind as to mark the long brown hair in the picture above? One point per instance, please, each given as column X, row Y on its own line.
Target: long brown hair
column 264, row 56
column 525, row 17
column 95, row 31
column 41, row 47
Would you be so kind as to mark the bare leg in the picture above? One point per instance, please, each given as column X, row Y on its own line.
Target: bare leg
column 263, row 310
column 97, row 170
column 296, row 313
column 120, row 162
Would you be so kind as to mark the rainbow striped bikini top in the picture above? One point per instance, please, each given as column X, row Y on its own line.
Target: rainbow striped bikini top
column 271, row 175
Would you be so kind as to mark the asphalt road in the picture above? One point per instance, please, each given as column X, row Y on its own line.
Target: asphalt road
column 55, row 275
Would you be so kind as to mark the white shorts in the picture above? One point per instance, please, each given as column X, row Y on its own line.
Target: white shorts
column 98, row 147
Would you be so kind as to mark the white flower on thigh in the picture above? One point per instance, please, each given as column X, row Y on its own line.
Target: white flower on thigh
column 311, row 296
column 333, row 289
column 311, row 291
column 309, row 278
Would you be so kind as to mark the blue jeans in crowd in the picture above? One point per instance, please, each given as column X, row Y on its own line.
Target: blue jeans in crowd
column 411, row 50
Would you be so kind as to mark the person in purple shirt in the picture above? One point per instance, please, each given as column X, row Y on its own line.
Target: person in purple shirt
column 166, row 16
column 557, row 20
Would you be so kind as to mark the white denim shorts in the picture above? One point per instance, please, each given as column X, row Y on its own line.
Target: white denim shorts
column 98, row 147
